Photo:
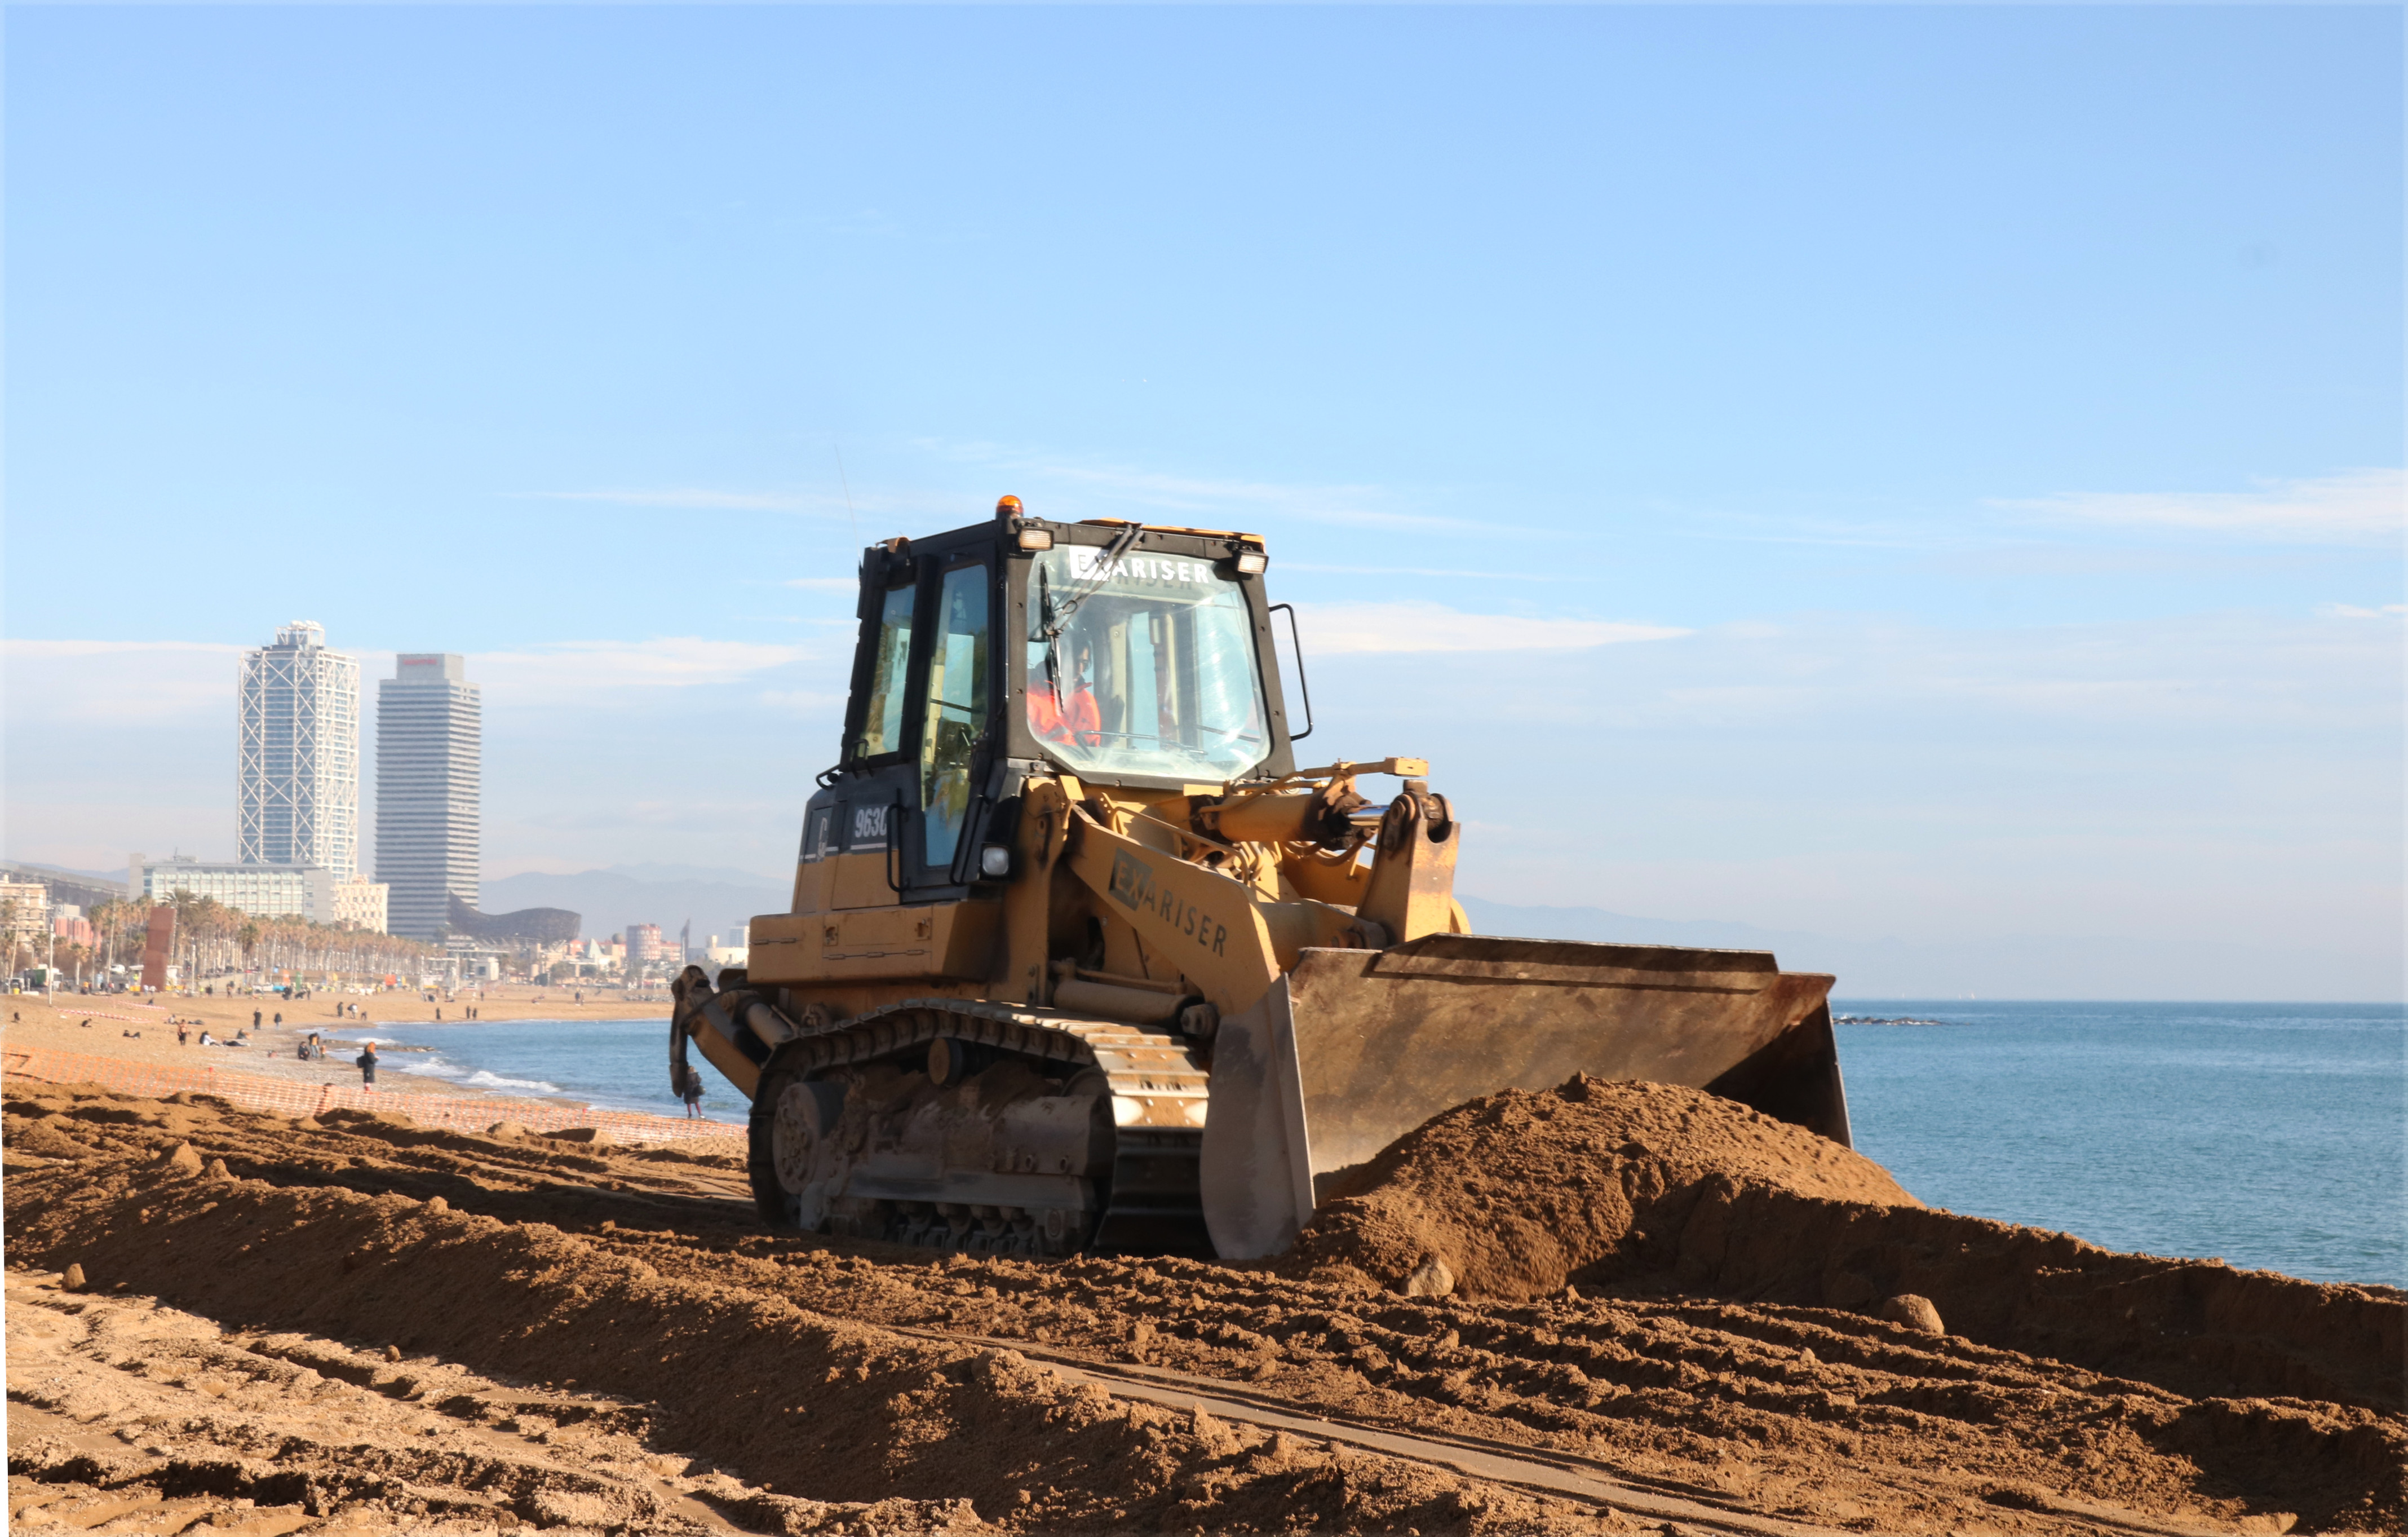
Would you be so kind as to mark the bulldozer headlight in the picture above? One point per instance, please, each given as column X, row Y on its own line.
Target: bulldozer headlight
column 1252, row 562
column 995, row 861
column 1034, row 538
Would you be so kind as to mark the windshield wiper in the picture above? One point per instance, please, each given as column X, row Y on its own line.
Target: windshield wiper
column 1057, row 620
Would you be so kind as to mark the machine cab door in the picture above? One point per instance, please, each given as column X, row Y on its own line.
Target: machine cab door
column 858, row 832
column 918, row 734
column 956, row 711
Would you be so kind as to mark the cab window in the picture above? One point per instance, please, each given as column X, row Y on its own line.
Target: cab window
column 956, row 715
column 881, row 721
column 1146, row 665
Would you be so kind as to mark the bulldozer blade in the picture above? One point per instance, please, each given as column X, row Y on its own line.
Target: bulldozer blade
column 1352, row 1049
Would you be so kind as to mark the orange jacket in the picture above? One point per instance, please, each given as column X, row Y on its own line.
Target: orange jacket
column 1075, row 720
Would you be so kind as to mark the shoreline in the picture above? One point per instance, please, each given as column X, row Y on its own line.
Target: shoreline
column 32, row 1022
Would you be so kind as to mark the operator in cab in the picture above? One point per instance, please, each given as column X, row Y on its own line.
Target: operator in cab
column 1064, row 709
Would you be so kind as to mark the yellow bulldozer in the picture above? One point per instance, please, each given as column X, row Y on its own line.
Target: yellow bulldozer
column 1078, row 959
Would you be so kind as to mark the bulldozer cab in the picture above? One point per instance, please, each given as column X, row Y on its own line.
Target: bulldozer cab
column 1124, row 655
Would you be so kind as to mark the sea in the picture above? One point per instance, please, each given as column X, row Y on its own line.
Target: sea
column 2270, row 1136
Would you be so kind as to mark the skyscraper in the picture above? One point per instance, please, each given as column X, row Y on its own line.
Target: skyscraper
column 430, row 747
column 297, row 772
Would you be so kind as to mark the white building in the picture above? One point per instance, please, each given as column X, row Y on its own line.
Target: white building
column 361, row 903
column 732, row 953
column 430, row 752
column 645, row 947
column 24, row 912
column 263, row 891
column 298, row 755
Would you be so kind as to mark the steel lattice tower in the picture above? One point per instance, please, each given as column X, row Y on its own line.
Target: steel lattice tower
column 430, row 750
column 297, row 772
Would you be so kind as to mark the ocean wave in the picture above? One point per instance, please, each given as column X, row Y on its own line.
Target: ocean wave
column 435, row 1067
column 482, row 1079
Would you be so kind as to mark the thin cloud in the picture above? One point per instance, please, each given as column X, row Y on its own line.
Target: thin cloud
column 2350, row 611
column 1241, row 505
column 1339, row 629
column 696, row 498
column 2350, row 507
column 46, row 649
column 800, row 701
column 587, row 667
column 1417, row 571
column 109, row 683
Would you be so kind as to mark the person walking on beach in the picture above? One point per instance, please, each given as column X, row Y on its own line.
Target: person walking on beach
column 368, row 1068
column 255, row 1019
column 183, row 1036
column 693, row 1094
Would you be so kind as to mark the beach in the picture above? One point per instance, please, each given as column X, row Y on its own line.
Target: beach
column 59, row 1023
column 507, row 1331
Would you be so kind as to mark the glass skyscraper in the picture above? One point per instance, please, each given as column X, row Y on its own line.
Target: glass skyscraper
column 297, row 775
column 430, row 750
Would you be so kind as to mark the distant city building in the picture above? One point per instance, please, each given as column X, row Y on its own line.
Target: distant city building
column 297, row 775
column 84, row 891
column 24, row 911
column 263, row 891
column 529, row 925
column 430, row 750
column 644, row 947
column 361, row 903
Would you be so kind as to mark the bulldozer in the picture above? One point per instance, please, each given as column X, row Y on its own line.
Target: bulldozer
column 1078, row 959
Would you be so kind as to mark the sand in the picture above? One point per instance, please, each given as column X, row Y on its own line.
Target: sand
column 29, row 1020
column 1649, row 1188
column 1518, row 1194
column 849, row 1377
column 126, row 1412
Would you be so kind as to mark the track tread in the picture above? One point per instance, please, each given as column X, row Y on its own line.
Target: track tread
column 1160, row 1094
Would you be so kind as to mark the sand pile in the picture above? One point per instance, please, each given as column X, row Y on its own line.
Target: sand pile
column 1644, row 1189
column 1515, row 1195
column 852, row 1376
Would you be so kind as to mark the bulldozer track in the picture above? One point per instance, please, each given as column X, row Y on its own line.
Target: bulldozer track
column 1160, row 1093
column 1537, row 1469
column 1544, row 1472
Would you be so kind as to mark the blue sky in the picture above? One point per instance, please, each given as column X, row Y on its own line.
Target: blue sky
column 1880, row 471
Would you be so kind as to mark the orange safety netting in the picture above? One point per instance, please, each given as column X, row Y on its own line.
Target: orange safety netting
column 286, row 1097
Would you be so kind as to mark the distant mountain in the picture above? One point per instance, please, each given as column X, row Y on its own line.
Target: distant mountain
column 609, row 900
column 2002, row 966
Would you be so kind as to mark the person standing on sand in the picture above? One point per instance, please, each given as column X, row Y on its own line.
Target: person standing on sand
column 255, row 1019
column 183, row 1037
column 693, row 1094
column 368, row 1068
